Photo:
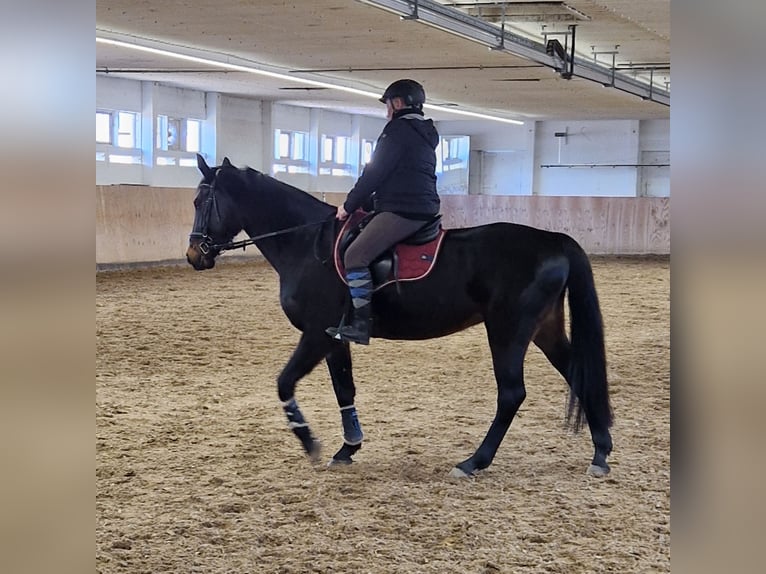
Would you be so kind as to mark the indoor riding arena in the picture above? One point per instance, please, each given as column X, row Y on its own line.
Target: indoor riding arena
column 197, row 470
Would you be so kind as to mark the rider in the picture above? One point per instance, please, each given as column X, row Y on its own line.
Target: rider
column 401, row 180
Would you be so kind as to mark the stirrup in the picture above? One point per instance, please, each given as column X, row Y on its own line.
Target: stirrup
column 348, row 333
column 333, row 332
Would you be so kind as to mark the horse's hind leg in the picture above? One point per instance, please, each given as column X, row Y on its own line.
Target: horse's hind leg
column 508, row 362
column 510, row 328
column 306, row 356
column 551, row 338
column 339, row 365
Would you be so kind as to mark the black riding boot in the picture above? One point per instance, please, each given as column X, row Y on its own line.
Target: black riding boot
column 360, row 286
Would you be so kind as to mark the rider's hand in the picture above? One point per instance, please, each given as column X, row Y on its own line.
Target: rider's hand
column 341, row 215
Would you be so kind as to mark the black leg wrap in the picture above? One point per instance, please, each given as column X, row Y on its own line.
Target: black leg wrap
column 294, row 414
column 299, row 426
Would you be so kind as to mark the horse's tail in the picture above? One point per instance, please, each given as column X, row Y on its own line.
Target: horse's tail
column 589, row 390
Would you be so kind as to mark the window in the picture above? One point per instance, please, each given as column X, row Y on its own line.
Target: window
column 193, row 135
column 119, row 127
column 177, row 139
column 290, row 145
column 327, row 149
column 334, row 156
column 290, row 152
column 368, row 146
column 117, row 137
column 452, row 156
column 126, row 129
column 452, row 153
column 167, row 133
column 103, row 127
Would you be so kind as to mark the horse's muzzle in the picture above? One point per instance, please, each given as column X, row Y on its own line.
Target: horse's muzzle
column 199, row 260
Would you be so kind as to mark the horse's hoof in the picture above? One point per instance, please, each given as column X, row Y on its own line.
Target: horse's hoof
column 315, row 453
column 336, row 462
column 346, row 452
column 598, row 471
column 459, row 473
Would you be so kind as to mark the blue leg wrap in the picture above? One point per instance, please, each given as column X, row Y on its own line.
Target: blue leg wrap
column 352, row 430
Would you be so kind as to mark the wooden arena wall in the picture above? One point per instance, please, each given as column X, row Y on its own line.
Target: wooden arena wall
column 141, row 224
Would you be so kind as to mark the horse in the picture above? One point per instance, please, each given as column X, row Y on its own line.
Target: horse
column 513, row 278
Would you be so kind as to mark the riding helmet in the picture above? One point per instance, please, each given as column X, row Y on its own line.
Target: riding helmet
column 410, row 91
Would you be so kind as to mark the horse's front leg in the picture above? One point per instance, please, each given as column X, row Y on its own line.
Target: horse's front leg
column 339, row 365
column 307, row 354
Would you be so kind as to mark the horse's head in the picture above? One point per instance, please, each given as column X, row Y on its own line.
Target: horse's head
column 216, row 220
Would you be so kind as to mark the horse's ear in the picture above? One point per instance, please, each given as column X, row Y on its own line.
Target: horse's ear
column 226, row 162
column 203, row 167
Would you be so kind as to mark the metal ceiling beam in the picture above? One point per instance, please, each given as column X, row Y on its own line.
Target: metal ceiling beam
column 477, row 30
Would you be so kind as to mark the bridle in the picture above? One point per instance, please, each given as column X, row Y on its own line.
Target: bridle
column 202, row 221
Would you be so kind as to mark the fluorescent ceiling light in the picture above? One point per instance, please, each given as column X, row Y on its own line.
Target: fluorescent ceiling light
column 227, row 64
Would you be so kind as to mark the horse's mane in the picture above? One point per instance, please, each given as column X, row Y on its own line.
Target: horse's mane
column 297, row 196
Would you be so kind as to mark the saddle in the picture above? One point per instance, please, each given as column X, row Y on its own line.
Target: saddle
column 409, row 260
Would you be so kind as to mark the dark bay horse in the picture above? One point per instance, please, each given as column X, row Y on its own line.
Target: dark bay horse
column 513, row 278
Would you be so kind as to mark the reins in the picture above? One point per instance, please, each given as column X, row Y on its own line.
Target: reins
column 205, row 247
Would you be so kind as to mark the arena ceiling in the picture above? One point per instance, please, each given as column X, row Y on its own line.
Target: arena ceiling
column 480, row 56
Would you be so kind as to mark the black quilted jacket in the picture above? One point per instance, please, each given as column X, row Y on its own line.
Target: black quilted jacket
column 401, row 174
